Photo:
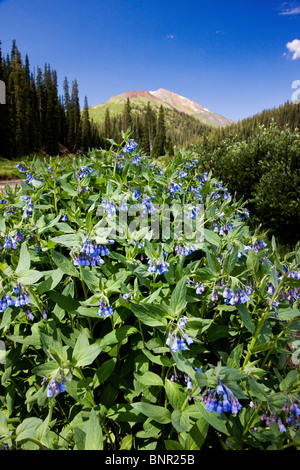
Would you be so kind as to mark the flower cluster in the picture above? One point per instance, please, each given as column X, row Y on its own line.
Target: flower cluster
column 185, row 250
column 84, row 171
column 174, row 187
column 178, row 340
column 221, row 399
column 28, row 208
column 147, row 204
column 105, row 310
column 224, row 228
column 290, row 417
column 55, row 386
column 185, row 377
column 135, row 160
column 129, row 148
column 158, row 266
column 240, row 296
column 92, row 254
column 109, row 207
column 6, row 301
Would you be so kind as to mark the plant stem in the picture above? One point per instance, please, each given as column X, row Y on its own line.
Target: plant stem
column 260, row 324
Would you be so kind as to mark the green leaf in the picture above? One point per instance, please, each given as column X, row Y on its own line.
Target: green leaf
column 84, row 353
column 197, row 435
column 65, row 264
column 257, row 390
column 253, row 263
column 173, row 445
column 230, row 261
column 24, row 260
column 149, row 378
column 126, row 443
column 53, row 279
column 94, row 437
column 215, row 420
column 175, row 393
column 70, row 240
column 180, row 421
column 91, row 279
column 116, row 336
column 4, row 430
column 288, row 314
column 27, row 428
column 27, row 278
column 66, row 302
column 104, row 371
column 212, row 237
column 79, row 435
column 178, row 298
column 46, row 369
column 146, row 314
column 42, row 428
column 157, row 413
column 287, row 383
column 246, row 318
column 115, row 281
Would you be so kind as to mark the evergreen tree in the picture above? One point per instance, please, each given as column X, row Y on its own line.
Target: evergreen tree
column 76, row 121
column 107, row 124
column 160, row 140
column 127, row 117
column 68, row 137
column 5, row 143
column 86, row 126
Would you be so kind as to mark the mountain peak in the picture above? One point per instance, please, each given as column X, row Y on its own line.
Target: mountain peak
column 168, row 99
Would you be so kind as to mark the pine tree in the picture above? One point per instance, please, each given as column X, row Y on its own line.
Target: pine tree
column 86, row 126
column 160, row 140
column 76, row 121
column 5, row 143
column 127, row 117
column 16, row 101
column 68, row 115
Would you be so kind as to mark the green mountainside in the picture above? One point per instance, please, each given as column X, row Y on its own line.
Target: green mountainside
column 160, row 97
column 184, row 121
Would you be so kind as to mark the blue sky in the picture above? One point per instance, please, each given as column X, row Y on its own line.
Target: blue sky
column 234, row 57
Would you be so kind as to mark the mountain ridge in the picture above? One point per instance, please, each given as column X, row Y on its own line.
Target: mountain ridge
column 160, row 97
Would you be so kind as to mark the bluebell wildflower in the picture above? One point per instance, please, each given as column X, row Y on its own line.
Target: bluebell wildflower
column 159, row 266
column 177, row 339
column 110, row 207
column 55, row 386
column 200, row 288
column 147, row 204
column 135, row 160
column 84, row 171
column 130, row 147
column 221, row 399
column 28, row 208
column 105, row 310
column 185, row 250
column 136, row 193
column 174, row 187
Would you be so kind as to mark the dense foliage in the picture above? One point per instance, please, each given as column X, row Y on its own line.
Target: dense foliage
column 139, row 341
column 264, row 169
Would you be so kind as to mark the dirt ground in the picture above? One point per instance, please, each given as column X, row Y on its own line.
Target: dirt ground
column 11, row 183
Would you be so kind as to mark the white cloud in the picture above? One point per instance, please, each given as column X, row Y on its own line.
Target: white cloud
column 170, row 36
column 289, row 8
column 294, row 46
column 290, row 11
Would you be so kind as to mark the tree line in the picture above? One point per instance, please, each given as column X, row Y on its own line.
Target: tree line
column 35, row 117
